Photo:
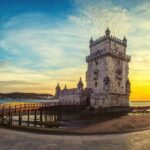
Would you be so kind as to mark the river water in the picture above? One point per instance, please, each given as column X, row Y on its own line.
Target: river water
column 4, row 101
column 51, row 118
column 9, row 101
column 65, row 120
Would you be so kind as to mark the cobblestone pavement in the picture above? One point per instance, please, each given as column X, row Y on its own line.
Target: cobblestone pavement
column 14, row 140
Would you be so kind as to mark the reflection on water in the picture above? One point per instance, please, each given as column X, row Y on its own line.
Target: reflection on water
column 146, row 103
column 47, row 120
column 22, row 101
column 52, row 118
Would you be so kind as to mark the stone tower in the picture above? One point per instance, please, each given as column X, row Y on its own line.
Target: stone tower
column 80, row 84
column 107, row 73
column 57, row 90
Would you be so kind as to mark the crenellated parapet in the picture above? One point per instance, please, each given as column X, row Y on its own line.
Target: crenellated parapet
column 100, row 39
column 111, row 52
column 107, row 36
column 68, row 92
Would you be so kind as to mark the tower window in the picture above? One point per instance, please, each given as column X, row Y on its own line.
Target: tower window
column 118, row 62
column 96, row 62
column 95, row 84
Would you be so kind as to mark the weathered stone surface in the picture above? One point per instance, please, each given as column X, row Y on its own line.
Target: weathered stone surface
column 107, row 82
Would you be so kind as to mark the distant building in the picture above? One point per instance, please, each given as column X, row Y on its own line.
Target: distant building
column 106, row 77
column 69, row 96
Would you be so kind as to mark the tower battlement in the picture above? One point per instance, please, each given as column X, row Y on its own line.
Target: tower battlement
column 122, row 42
column 104, row 52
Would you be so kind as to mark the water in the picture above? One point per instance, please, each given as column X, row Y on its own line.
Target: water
column 145, row 103
column 49, row 120
column 8, row 101
column 53, row 117
column 4, row 101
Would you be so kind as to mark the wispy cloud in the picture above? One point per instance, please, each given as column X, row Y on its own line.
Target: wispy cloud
column 39, row 48
column 15, row 82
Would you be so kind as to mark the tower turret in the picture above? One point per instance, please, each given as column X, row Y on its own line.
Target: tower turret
column 65, row 88
column 57, row 90
column 91, row 41
column 80, row 84
column 128, row 87
column 107, row 32
column 124, row 41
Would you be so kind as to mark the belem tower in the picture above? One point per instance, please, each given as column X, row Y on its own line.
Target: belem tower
column 107, row 83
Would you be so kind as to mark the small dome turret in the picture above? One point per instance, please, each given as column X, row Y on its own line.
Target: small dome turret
column 107, row 32
column 57, row 90
column 124, row 41
column 80, row 84
column 58, row 87
column 91, row 41
column 65, row 88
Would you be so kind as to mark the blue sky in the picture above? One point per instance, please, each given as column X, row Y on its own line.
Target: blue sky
column 55, row 8
column 45, row 41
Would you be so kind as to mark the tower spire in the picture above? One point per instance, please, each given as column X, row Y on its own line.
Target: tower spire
column 124, row 41
column 107, row 32
column 58, row 87
column 80, row 83
column 57, row 90
column 65, row 88
column 91, row 41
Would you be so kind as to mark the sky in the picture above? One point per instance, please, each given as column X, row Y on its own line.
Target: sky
column 46, row 41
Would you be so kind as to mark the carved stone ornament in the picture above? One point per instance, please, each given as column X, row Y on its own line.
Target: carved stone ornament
column 106, row 80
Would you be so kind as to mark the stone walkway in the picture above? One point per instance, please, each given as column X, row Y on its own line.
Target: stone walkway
column 14, row 140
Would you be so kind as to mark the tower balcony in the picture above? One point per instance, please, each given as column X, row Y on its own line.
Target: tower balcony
column 104, row 52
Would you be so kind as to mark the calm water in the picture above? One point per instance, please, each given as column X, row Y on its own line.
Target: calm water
column 6, row 101
column 140, row 103
column 3, row 101
column 65, row 120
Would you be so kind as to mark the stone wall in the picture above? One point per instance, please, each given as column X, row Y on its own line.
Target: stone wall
column 107, row 72
column 72, row 96
column 107, row 81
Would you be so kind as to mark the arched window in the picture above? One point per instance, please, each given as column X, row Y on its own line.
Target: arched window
column 95, row 84
column 96, row 62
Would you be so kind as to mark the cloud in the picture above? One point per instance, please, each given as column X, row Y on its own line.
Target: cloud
column 46, row 50
column 48, row 47
column 97, row 15
column 4, row 63
column 15, row 82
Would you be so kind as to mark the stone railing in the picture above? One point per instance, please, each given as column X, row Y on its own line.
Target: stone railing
column 102, row 38
column 113, row 38
column 122, row 42
column 103, row 52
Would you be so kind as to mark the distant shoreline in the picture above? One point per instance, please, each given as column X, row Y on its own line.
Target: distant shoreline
column 18, row 95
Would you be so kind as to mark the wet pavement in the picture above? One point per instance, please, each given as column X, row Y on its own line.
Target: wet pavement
column 15, row 140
